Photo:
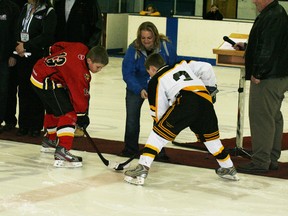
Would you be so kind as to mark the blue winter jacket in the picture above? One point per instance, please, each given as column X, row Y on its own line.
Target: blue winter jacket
column 133, row 69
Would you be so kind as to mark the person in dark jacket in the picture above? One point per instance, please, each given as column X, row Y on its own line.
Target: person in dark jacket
column 214, row 13
column 79, row 21
column 9, row 13
column 35, row 33
column 10, row 115
column 266, row 67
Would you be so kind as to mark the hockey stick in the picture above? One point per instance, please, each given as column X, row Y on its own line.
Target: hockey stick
column 109, row 164
column 189, row 146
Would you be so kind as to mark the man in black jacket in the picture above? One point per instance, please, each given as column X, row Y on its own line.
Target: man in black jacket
column 79, row 21
column 9, row 13
column 266, row 66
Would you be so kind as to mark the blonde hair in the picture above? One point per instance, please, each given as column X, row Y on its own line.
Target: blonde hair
column 149, row 26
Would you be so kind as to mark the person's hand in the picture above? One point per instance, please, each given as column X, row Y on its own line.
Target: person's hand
column 213, row 91
column 144, row 94
column 239, row 46
column 11, row 62
column 20, row 49
column 255, row 80
column 83, row 121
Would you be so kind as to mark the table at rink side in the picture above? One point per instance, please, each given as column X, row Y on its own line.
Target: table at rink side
column 226, row 55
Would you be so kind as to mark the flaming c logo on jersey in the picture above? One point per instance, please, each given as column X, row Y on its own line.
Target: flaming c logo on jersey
column 81, row 57
column 87, row 77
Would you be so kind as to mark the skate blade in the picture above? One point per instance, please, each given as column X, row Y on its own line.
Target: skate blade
column 134, row 181
column 230, row 177
column 67, row 164
column 47, row 150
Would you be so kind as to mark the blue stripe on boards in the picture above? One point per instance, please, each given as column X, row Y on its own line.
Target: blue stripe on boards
column 172, row 30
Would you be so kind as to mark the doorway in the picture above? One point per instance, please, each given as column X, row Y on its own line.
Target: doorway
column 228, row 8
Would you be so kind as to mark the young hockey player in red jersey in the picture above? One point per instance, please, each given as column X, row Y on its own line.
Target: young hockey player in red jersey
column 62, row 82
column 179, row 97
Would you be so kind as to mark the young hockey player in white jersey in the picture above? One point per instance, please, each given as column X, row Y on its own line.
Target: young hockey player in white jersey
column 179, row 97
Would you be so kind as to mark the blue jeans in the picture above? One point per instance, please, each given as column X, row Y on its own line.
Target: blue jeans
column 132, row 129
column 4, row 78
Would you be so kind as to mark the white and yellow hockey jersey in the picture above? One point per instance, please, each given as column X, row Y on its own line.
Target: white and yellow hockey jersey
column 164, row 87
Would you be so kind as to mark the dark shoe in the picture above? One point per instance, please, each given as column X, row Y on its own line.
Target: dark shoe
column 273, row 166
column 8, row 127
column 251, row 168
column 162, row 156
column 22, row 132
column 35, row 133
column 129, row 154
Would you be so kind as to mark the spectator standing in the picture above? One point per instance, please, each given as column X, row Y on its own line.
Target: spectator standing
column 148, row 41
column 10, row 116
column 266, row 67
column 79, row 21
column 9, row 13
column 35, row 33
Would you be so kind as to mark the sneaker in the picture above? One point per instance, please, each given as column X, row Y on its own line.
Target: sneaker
column 162, row 156
column 252, row 168
column 8, row 127
column 22, row 132
column 227, row 173
column 35, row 133
column 129, row 154
column 273, row 166
column 137, row 175
column 48, row 146
column 63, row 158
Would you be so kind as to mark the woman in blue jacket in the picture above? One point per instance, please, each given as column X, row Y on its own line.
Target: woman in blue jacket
column 148, row 41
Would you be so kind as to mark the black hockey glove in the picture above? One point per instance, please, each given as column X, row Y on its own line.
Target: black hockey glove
column 83, row 121
column 213, row 91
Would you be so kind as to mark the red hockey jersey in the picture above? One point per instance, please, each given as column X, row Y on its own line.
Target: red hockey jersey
column 66, row 67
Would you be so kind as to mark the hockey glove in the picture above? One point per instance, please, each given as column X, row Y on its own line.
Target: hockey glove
column 83, row 121
column 213, row 91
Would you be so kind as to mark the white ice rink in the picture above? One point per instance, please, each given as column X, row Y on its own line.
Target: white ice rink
column 30, row 185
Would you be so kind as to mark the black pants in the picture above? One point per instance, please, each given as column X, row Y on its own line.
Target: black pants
column 31, row 109
column 189, row 110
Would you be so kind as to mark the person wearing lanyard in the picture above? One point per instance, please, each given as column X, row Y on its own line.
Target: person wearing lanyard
column 35, row 33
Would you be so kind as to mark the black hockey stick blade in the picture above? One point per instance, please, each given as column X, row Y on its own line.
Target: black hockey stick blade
column 123, row 165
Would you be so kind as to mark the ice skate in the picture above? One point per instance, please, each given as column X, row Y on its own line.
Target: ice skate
column 48, row 146
column 63, row 158
column 227, row 173
column 137, row 175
